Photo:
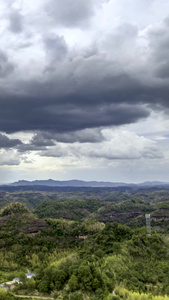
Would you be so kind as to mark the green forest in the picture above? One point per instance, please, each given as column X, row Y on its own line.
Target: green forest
column 84, row 246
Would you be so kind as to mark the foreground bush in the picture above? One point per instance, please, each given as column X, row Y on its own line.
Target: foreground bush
column 128, row 295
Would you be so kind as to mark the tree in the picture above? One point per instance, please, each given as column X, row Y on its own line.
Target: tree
column 22, row 277
column 31, row 284
column 73, row 283
column 76, row 296
column 4, row 295
column 85, row 277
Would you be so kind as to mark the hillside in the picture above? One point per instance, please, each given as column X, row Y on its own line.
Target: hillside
column 84, row 248
column 17, row 218
column 76, row 210
column 98, row 204
column 86, row 260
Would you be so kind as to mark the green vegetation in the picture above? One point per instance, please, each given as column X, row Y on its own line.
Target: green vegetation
column 86, row 249
column 14, row 208
column 4, row 295
column 73, row 210
column 101, row 204
column 128, row 295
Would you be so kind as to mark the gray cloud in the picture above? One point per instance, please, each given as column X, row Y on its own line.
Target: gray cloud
column 83, row 136
column 70, row 71
column 57, row 151
column 124, row 37
column 30, row 147
column 71, row 13
column 81, row 92
column 50, row 115
column 6, row 67
column 5, row 142
column 41, row 141
column 9, row 162
column 23, row 45
column 133, row 153
column 15, row 22
column 56, row 47
column 85, row 92
column 38, row 143
column 162, row 71
column 159, row 44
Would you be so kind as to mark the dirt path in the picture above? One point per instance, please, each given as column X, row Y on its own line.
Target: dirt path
column 35, row 297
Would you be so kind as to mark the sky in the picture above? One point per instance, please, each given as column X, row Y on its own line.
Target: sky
column 84, row 90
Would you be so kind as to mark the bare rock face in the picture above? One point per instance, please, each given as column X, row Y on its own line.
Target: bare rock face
column 118, row 217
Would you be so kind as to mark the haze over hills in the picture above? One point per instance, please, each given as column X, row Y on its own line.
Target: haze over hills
column 81, row 183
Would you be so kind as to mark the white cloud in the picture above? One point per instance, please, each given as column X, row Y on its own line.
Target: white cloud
column 118, row 144
column 9, row 158
column 124, row 145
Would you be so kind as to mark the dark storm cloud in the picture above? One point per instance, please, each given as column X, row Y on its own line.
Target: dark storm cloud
column 40, row 140
column 15, row 22
column 84, row 136
column 82, row 91
column 159, row 45
column 37, row 143
column 71, row 13
column 6, row 67
column 5, row 142
column 48, row 115
column 76, row 102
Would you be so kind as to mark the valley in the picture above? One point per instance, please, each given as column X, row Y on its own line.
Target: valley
column 84, row 244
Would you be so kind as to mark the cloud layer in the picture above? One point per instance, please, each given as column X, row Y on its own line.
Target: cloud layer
column 78, row 90
column 70, row 70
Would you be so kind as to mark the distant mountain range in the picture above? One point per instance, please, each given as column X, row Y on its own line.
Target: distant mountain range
column 81, row 183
